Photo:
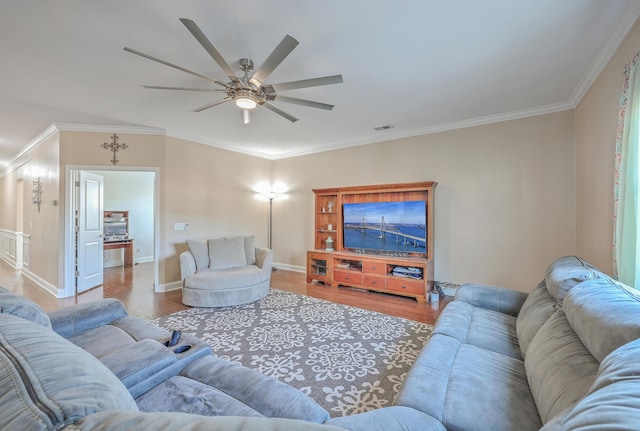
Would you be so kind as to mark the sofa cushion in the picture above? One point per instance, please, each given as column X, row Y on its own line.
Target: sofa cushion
column 199, row 248
column 613, row 401
column 181, row 394
column 265, row 395
column 250, row 249
column 19, row 306
column 605, row 315
column 566, row 272
column 138, row 362
column 47, row 382
column 487, row 329
column 102, row 340
column 559, row 367
column 229, row 278
column 227, row 252
column 536, row 310
column 469, row 388
column 388, row 418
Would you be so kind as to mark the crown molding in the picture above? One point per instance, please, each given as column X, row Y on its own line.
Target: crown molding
column 24, row 155
column 133, row 130
column 626, row 21
column 394, row 134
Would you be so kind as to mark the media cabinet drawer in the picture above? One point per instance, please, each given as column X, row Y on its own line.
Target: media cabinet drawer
column 373, row 281
column 374, row 268
column 405, row 285
column 347, row 277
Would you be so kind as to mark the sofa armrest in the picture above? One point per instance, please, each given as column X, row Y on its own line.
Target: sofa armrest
column 187, row 264
column 78, row 318
column 494, row 298
column 264, row 258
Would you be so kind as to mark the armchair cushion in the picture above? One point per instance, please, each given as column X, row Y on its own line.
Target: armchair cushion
column 250, row 249
column 227, row 252
column 225, row 279
column 199, row 248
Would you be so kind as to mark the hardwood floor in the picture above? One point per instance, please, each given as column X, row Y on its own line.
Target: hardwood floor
column 133, row 286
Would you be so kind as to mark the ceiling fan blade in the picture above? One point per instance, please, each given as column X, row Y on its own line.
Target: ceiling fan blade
column 303, row 83
column 284, row 48
column 157, row 87
column 303, row 102
column 166, row 63
column 208, row 46
column 279, row 111
column 212, row 104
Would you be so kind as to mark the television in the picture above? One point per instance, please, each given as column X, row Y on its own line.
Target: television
column 389, row 228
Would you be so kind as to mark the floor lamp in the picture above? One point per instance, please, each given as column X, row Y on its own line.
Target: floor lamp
column 271, row 197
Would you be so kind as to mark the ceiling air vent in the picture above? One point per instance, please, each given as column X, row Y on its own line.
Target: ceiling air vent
column 385, row 127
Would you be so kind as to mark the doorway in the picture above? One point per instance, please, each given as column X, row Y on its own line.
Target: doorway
column 134, row 190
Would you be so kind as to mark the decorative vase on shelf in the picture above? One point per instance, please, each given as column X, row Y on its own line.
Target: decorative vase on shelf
column 329, row 244
column 330, row 205
column 329, row 226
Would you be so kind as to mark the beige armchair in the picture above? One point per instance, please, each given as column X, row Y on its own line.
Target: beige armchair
column 226, row 271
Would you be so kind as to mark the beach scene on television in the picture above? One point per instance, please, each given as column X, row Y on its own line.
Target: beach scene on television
column 385, row 226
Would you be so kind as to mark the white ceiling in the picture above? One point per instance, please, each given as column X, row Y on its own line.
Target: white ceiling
column 419, row 65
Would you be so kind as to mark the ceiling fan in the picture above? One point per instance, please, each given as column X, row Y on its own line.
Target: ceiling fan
column 248, row 91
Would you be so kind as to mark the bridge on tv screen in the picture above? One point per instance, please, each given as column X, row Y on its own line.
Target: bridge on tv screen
column 384, row 228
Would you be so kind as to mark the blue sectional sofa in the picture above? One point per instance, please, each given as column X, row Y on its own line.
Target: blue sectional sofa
column 91, row 366
column 566, row 356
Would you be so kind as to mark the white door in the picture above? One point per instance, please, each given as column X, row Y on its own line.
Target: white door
column 90, row 238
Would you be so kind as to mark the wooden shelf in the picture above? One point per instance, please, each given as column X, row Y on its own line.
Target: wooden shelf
column 341, row 267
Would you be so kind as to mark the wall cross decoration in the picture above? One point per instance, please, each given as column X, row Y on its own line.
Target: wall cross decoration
column 115, row 147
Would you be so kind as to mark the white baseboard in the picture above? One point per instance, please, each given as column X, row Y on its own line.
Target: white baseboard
column 174, row 285
column 58, row 293
column 287, row 267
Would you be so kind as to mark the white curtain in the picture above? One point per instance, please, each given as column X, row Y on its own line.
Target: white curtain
column 626, row 187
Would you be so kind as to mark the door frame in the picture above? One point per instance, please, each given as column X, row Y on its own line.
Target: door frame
column 70, row 197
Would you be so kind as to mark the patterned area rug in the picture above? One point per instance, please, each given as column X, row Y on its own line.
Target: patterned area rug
column 347, row 359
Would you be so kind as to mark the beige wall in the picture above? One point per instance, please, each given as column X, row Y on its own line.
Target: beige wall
column 8, row 199
column 43, row 227
column 596, row 123
column 505, row 204
column 143, row 151
column 213, row 191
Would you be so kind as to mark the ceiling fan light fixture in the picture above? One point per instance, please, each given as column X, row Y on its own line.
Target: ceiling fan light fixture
column 245, row 100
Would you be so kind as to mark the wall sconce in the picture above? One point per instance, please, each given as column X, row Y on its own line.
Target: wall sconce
column 36, row 193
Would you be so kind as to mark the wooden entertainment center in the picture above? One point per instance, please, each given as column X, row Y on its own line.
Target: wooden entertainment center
column 404, row 273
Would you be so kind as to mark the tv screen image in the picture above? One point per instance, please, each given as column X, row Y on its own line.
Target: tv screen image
column 391, row 227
